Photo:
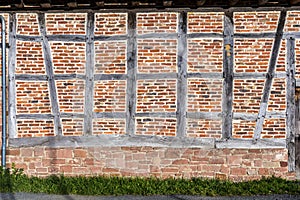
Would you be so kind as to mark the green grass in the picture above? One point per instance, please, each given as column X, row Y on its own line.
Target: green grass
column 14, row 180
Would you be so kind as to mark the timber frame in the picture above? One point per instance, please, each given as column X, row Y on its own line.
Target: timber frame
column 17, row 5
column 181, row 140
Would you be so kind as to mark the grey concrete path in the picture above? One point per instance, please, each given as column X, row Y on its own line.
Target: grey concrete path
column 30, row 196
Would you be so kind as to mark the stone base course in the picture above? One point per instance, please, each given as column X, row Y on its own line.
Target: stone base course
column 233, row 164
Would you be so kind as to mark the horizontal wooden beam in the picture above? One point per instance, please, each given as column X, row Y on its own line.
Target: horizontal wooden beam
column 109, row 115
column 253, row 117
column 204, row 35
column 112, row 141
column 190, row 115
column 204, row 115
column 258, row 75
column 248, row 144
column 205, row 75
column 98, row 77
column 144, row 141
column 157, row 115
column 157, row 76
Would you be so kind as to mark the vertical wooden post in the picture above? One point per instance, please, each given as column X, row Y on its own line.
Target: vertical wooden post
column 269, row 77
column 182, row 75
column 50, row 74
column 12, row 121
column 228, row 76
column 89, row 80
column 131, row 74
column 290, row 98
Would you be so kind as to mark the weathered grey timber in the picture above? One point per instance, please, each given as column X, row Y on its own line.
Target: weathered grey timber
column 31, row 77
column 269, row 76
column 204, row 35
column 89, row 79
column 110, row 38
column 253, row 117
column 131, row 74
column 113, row 141
column 248, row 144
column 35, row 77
column 287, row 35
column 109, row 115
column 67, row 38
column 204, row 115
column 182, row 76
column 257, row 75
column 50, row 74
column 141, row 140
column 205, row 75
column 158, row 36
column 99, row 77
column 35, row 116
column 58, row 38
column 29, row 38
column 290, row 98
column 12, row 121
column 227, row 96
column 157, row 114
column 71, row 115
column 157, row 76
column 254, row 35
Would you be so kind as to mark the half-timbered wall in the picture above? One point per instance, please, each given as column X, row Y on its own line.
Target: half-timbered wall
column 173, row 79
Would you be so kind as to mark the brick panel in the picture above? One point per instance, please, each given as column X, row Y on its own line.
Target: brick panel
column 274, row 128
column 110, row 57
column 205, row 22
column 109, row 126
column 243, row 129
column 156, row 96
column 32, row 97
column 292, row 21
column 204, row 128
column 256, row 22
column 110, row 96
column 204, row 95
column 110, row 23
column 70, row 96
column 164, row 22
column 277, row 99
column 247, row 95
column 68, row 57
column 35, row 127
column 29, row 58
column 157, row 56
column 72, row 127
column 27, row 24
column 156, row 126
column 252, row 55
column 297, row 58
column 66, row 23
column 205, row 55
